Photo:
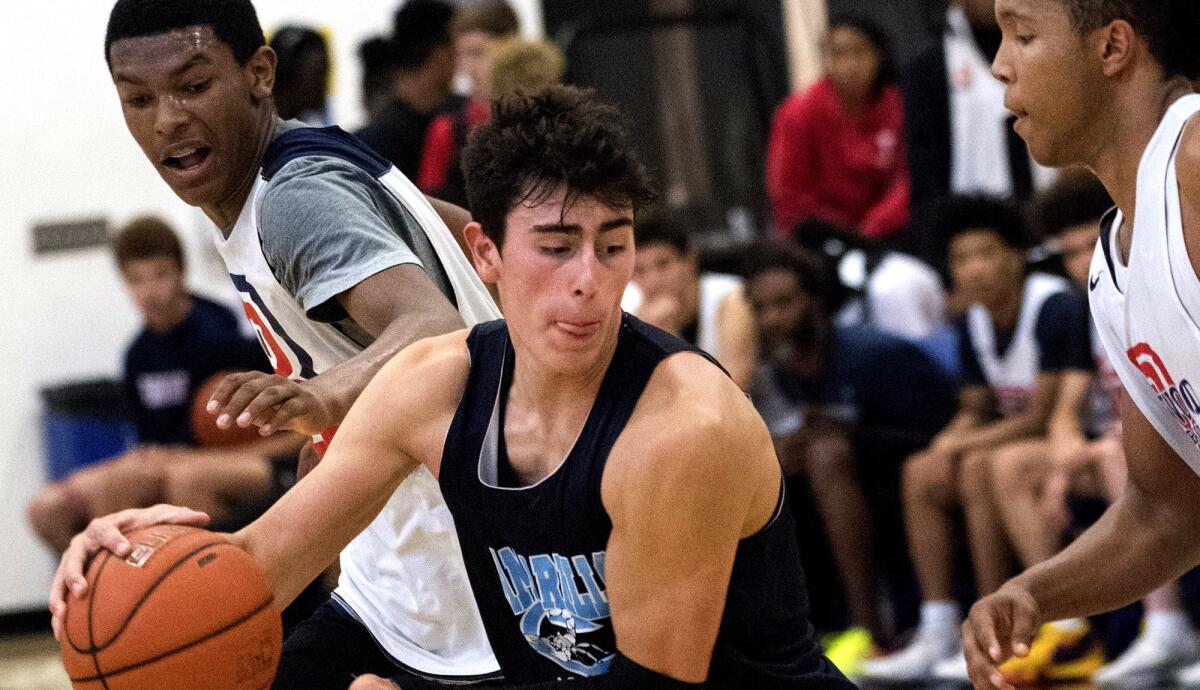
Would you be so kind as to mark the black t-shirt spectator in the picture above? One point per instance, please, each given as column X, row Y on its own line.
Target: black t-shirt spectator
column 879, row 383
column 163, row 370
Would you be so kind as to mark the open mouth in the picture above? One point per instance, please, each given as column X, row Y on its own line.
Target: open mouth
column 188, row 159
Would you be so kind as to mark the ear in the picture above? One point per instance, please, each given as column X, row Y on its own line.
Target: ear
column 484, row 252
column 1117, row 44
column 261, row 71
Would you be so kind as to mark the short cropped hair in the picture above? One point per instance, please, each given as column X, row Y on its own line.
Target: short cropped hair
column 962, row 214
column 146, row 237
column 233, row 22
column 534, row 144
column 418, row 27
column 1077, row 198
column 1169, row 27
column 496, row 19
column 816, row 274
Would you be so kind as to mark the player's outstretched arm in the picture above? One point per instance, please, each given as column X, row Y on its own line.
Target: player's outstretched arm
column 1145, row 539
column 397, row 306
column 402, row 415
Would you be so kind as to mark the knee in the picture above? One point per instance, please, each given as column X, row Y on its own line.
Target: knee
column 370, row 682
column 974, row 479
column 181, row 483
column 829, row 461
column 927, row 476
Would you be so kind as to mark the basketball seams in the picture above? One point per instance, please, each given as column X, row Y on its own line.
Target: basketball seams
column 200, row 640
column 152, row 587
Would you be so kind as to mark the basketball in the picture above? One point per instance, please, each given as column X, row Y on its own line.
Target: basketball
column 204, row 424
column 186, row 609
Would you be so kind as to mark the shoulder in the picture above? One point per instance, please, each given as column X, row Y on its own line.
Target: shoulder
column 690, row 405
column 807, row 103
column 1062, row 305
column 209, row 312
column 424, row 379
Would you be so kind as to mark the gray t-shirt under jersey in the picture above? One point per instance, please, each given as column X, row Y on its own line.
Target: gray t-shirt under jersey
column 327, row 225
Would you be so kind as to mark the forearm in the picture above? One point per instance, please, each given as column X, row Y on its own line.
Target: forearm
column 341, row 385
column 1136, row 546
column 992, row 434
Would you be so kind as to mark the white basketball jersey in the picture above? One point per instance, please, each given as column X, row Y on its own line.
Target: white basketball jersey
column 1146, row 310
column 1013, row 375
column 714, row 288
column 403, row 576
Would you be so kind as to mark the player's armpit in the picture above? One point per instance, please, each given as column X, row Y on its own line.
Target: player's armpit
column 1187, row 170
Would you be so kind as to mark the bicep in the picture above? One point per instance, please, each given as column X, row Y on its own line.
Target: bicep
column 671, row 552
column 1156, row 472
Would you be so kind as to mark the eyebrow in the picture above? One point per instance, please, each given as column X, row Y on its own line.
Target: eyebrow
column 576, row 229
column 195, row 59
column 1011, row 14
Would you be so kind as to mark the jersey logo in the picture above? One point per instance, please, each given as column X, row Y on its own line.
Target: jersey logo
column 1179, row 399
column 270, row 332
column 1094, row 281
column 557, row 619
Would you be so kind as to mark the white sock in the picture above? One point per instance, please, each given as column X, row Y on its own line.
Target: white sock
column 1169, row 625
column 1073, row 625
column 940, row 620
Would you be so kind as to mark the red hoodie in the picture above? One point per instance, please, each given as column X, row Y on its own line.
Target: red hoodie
column 823, row 164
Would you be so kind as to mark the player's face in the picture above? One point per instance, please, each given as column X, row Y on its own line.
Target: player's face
column 561, row 274
column 193, row 110
column 781, row 308
column 985, row 269
column 659, row 269
column 853, row 63
column 156, row 285
column 1076, row 245
column 1053, row 82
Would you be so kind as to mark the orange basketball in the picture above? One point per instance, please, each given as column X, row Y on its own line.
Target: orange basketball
column 185, row 610
column 204, row 425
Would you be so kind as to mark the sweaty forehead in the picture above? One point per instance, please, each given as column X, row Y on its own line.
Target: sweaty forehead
column 171, row 50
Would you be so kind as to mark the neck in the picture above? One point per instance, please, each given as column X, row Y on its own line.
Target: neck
column 1126, row 134
column 557, row 400
column 1006, row 312
column 180, row 310
column 418, row 92
column 225, row 213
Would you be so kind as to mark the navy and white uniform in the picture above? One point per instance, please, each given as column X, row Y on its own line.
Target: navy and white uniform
column 1147, row 309
column 1009, row 361
column 324, row 214
column 535, row 554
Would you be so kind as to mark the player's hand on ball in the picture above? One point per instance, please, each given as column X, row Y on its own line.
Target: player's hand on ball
column 107, row 532
column 271, row 403
column 1000, row 626
column 369, row 682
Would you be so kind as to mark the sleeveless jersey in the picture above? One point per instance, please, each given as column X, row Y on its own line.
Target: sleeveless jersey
column 536, row 554
column 1146, row 311
column 714, row 288
column 402, row 577
column 1013, row 375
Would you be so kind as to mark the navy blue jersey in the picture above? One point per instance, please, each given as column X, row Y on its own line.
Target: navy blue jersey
column 164, row 369
column 535, row 554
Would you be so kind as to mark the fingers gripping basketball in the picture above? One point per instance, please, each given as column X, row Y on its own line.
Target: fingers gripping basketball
column 185, row 609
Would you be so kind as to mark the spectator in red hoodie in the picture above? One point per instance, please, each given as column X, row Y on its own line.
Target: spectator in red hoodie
column 836, row 151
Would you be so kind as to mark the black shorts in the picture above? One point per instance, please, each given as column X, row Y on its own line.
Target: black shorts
column 332, row 648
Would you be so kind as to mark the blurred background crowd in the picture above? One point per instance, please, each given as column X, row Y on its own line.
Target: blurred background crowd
column 848, row 224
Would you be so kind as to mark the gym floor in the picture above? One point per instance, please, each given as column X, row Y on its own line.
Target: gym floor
column 31, row 662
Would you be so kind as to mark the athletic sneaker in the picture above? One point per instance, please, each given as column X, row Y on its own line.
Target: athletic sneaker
column 849, row 649
column 1149, row 661
column 913, row 663
column 1188, row 676
column 954, row 668
column 1059, row 653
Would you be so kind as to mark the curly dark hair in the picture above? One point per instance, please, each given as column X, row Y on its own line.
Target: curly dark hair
column 233, row 22
column 1168, row 26
column 536, row 143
